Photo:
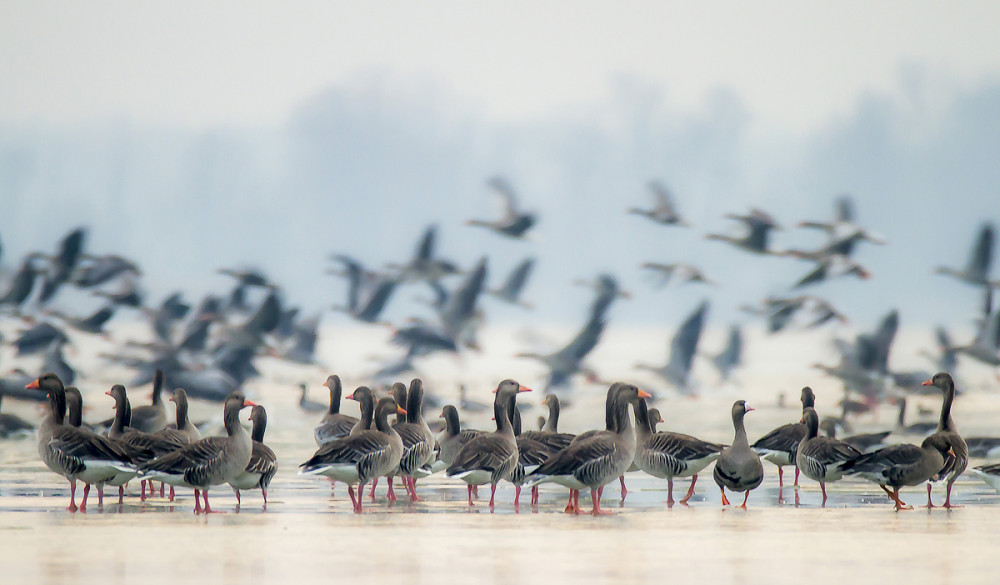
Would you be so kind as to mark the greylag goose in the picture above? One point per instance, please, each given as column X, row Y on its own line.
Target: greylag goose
column 152, row 444
column 74, row 453
column 263, row 463
column 822, row 458
column 664, row 211
column 152, row 417
column 74, row 407
column 610, row 423
column 210, row 461
column 756, row 237
column 358, row 458
column 418, row 440
column 334, row 425
column 184, row 430
column 593, row 459
column 453, row 437
column 514, row 223
column 654, row 418
column 946, row 428
column 490, row 457
column 530, row 454
column 549, row 434
column 669, row 455
column 738, row 467
column 308, row 405
column 779, row 446
column 11, row 424
column 901, row 465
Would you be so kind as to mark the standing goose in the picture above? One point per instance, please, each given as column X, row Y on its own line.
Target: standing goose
column 956, row 465
column 901, row 465
column 151, row 444
column 210, row 461
column 334, row 425
column 530, row 454
column 361, row 457
column 11, row 424
column 366, row 401
column 738, row 467
column 263, row 463
column 669, row 455
column 74, row 407
column 185, row 431
column 654, row 418
column 152, row 417
column 453, row 437
column 822, row 458
column 594, row 459
column 490, row 457
column 549, row 434
column 308, row 405
column 418, row 440
column 610, row 425
column 779, row 446
column 76, row 453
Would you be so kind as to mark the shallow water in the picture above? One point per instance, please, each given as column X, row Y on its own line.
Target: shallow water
column 306, row 536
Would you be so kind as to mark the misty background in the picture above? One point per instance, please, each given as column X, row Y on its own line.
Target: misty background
column 361, row 163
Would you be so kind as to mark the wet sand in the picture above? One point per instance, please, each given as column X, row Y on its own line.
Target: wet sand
column 305, row 536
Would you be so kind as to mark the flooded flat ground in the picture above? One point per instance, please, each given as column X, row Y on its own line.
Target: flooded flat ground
column 305, row 536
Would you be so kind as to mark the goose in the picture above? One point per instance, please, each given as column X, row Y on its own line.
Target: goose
column 153, row 417
column 976, row 272
column 780, row 445
column 210, row 461
column 594, row 459
column 154, row 445
column 361, row 457
column 418, row 440
column 263, row 463
column 901, row 465
column 511, row 289
column 333, row 425
column 490, row 457
column 184, row 430
column 668, row 455
column 664, row 211
column 308, row 405
column 76, row 454
column 530, row 454
column 549, row 434
column 758, row 225
column 453, row 437
column 946, row 429
column 990, row 474
column 738, row 467
column 821, row 458
column 683, row 347
column 514, row 223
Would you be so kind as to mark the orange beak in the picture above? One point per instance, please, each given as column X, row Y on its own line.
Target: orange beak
column 399, row 410
column 644, row 394
column 927, row 383
column 350, row 396
column 525, row 389
column 248, row 402
column 33, row 386
column 441, row 415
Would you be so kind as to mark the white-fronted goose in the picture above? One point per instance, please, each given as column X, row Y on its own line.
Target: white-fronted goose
column 594, row 459
column 779, row 446
column 669, row 455
column 821, row 458
column 210, row 461
column 74, row 453
column 955, row 465
column 152, row 417
column 901, row 465
column 263, row 463
column 738, row 467
column 490, row 457
column 418, row 440
column 358, row 458
column 334, row 425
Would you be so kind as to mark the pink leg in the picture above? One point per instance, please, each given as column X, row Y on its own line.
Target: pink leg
column 86, row 492
column 600, row 492
column 469, row 487
column 597, row 511
column 569, row 505
column 238, row 501
column 475, row 491
column 350, row 492
column 72, row 496
column 197, row 502
column 576, row 501
column 413, row 490
column 621, row 478
column 725, row 500
column 781, row 481
column 930, row 504
column 390, row 493
column 694, row 480
column 208, row 509
column 670, row 491
column 264, row 492
column 534, row 495
column 161, row 488
column 121, row 494
column 372, row 494
column 796, row 477
column 361, row 490
column 142, row 495
column 517, row 496
column 100, row 497
column 947, row 500
column 493, row 493
column 171, row 493
column 822, row 487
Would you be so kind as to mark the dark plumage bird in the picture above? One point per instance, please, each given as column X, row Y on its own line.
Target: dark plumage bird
column 513, row 223
column 152, row 417
column 738, row 467
column 425, row 266
column 333, row 425
column 956, row 464
column 308, row 405
column 62, row 264
column 731, row 355
column 664, row 210
column 678, row 272
column 21, row 284
column 821, row 459
column 977, row 270
column 683, row 348
column 780, row 445
column 13, row 425
column 567, row 361
column 93, row 323
column 97, row 270
column 263, row 463
column 39, row 338
column 901, row 465
column 758, row 225
column 368, row 293
column 511, row 289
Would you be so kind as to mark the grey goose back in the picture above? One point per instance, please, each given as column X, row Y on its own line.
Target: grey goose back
column 418, row 440
column 955, row 465
column 152, row 417
column 333, row 425
column 263, row 463
column 821, row 459
column 779, row 446
column 901, row 465
column 738, row 467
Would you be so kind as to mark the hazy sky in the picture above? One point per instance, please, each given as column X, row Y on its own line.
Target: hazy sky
column 794, row 65
column 191, row 137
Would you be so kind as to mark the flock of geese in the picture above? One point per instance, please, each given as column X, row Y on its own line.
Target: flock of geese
column 141, row 444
